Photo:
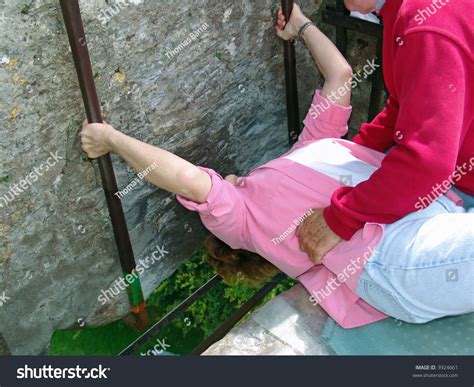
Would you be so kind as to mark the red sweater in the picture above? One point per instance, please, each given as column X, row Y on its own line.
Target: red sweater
column 428, row 120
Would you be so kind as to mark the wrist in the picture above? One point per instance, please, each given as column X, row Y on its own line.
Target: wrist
column 295, row 25
column 300, row 22
column 303, row 32
column 110, row 138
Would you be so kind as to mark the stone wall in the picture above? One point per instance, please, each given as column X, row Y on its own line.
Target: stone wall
column 203, row 79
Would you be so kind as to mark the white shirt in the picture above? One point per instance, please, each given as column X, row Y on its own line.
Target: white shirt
column 332, row 159
column 379, row 5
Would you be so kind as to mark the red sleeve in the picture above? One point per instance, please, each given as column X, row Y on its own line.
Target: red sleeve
column 378, row 134
column 430, row 74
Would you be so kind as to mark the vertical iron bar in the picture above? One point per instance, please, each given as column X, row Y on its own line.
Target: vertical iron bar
column 291, row 81
column 77, row 40
column 377, row 84
column 341, row 32
column 164, row 321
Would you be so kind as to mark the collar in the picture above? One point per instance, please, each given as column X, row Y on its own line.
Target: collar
column 379, row 6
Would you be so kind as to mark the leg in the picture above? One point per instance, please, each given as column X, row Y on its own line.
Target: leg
column 424, row 266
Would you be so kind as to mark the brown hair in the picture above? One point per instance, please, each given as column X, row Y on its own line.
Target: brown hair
column 234, row 265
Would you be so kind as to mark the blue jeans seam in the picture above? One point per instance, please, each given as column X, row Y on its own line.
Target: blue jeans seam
column 402, row 310
column 448, row 207
column 385, row 267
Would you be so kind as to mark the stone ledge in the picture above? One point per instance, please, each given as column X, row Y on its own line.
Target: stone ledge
column 287, row 325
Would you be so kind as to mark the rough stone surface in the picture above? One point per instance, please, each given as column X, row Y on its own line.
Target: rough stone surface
column 218, row 102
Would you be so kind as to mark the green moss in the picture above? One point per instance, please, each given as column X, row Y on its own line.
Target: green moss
column 184, row 333
column 4, row 179
column 106, row 340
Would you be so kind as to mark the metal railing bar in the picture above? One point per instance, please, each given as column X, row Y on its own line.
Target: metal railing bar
column 227, row 325
column 291, row 82
column 337, row 19
column 77, row 41
column 377, row 84
column 341, row 32
column 154, row 330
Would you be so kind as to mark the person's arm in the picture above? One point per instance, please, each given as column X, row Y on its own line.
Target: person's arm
column 333, row 66
column 218, row 202
column 337, row 73
column 331, row 63
column 330, row 108
column 172, row 173
column 429, row 130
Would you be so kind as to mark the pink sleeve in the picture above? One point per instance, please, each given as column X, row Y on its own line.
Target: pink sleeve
column 325, row 119
column 224, row 211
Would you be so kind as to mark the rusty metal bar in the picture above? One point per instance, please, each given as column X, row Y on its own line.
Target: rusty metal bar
column 344, row 21
column 155, row 329
column 77, row 40
column 220, row 332
column 292, row 106
column 227, row 325
column 341, row 32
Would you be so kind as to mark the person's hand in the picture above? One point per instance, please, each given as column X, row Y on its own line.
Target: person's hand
column 95, row 139
column 316, row 238
column 233, row 179
column 287, row 31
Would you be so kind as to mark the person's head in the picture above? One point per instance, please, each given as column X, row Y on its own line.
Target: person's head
column 234, row 265
column 362, row 6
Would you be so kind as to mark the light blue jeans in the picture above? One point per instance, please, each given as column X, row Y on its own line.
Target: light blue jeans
column 423, row 267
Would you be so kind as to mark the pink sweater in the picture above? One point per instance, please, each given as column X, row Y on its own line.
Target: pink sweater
column 261, row 212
